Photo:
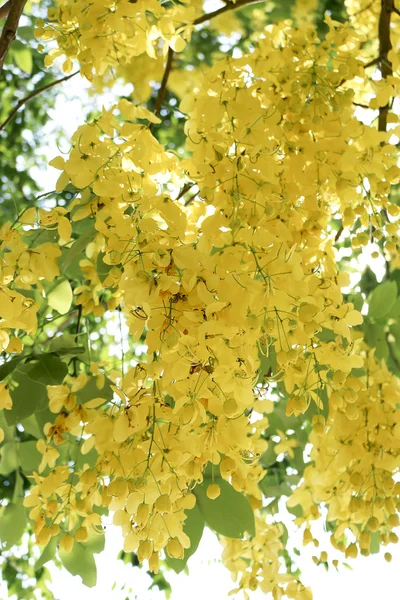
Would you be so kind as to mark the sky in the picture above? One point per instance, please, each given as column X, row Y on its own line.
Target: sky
column 371, row 577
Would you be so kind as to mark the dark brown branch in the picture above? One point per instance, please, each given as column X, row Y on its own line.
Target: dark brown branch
column 223, row 9
column 339, row 233
column 163, row 86
column 361, row 105
column 32, row 95
column 188, row 186
column 371, row 63
column 10, row 28
column 77, row 331
column 5, row 9
column 190, row 200
column 207, row 17
column 385, row 45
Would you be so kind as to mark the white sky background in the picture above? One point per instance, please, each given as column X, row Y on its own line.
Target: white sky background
column 370, row 578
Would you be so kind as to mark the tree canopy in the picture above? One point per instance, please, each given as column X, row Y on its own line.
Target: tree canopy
column 202, row 320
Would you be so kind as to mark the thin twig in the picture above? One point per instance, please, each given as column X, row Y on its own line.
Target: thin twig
column 188, row 186
column 77, row 331
column 223, row 9
column 371, row 63
column 163, row 86
column 62, row 327
column 339, row 233
column 10, row 28
column 361, row 105
column 190, row 200
column 32, row 95
column 206, row 17
column 385, row 45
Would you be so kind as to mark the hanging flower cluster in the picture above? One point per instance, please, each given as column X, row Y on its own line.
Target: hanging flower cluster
column 213, row 284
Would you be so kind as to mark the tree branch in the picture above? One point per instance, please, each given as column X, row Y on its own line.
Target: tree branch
column 385, row 45
column 10, row 28
column 164, row 81
column 228, row 6
column 32, row 95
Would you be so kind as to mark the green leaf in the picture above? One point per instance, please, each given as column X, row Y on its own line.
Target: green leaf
column 48, row 553
column 269, row 457
column 95, row 543
column 272, row 487
column 23, row 56
column 31, row 426
column 42, row 417
column 78, row 247
column 9, row 430
column 80, row 561
column 382, row 299
column 8, row 367
column 102, row 268
column 48, row 369
column 91, row 391
column 375, row 544
column 297, row 510
column 357, row 300
column 27, row 393
column 29, row 456
column 26, row 33
column 12, row 524
column 230, row 514
column 193, row 527
column 8, row 458
column 382, row 350
column 28, row 386
column 61, row 297
column 65, row 345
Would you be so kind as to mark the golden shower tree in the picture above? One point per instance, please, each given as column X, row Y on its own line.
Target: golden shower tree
column 182, row 315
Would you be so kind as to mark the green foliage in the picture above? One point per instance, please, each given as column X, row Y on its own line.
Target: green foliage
column 230, row 514
column 194, row 526
column 28, row 386
column 80, row 562
column 382, row 299
column 12, row 524
column 20, row 140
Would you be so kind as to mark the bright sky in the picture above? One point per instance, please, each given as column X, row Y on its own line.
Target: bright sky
column 370, row 578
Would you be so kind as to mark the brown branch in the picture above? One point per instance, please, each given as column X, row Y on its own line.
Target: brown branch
column 361, row 105
column 190, row 200
column 32, row 95
column 339, row 233
column 220, row 11
column 188, row 186
column 385, row 45
column 371, row 63
column 10, row 28
column 5, row 9
column 163, row 87
column 62, row 327
column 164, row 81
